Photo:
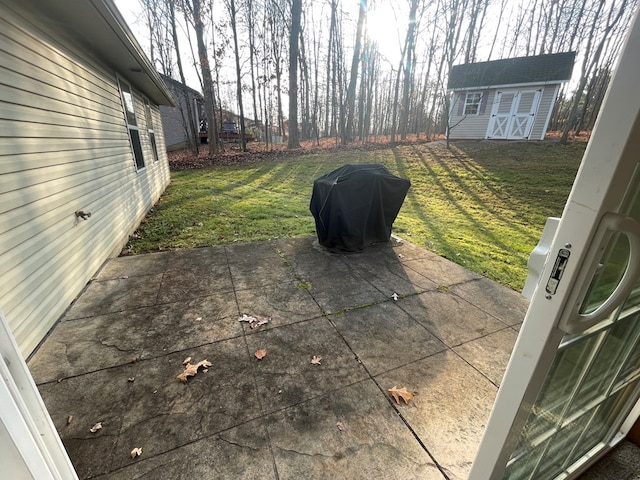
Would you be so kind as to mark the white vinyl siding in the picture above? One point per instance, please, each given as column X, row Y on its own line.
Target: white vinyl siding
column 469, row 126
column 64, row 147
column 547, row 101
column 475, row 126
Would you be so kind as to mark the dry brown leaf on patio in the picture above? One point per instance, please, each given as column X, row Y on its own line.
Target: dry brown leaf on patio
column 186, row 360
column 254, row 320
column 96, row 427
column 136, row 452
column 262, row 320
column 247, row 318
column 190, row 370
column 316, row 360
column 398, row 393
column 260, row 354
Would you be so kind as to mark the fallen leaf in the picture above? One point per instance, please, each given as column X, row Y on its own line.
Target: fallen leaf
column 341, row 426
column 131, row 379
column 136, row 452
column 395, row 296
column 186, row 360
column 96, row 427
column 398, row 393
column 69, row 419
column 260, row 354
column 190, row 370
column 316, row 360
column 247, row 318
column 254, row 321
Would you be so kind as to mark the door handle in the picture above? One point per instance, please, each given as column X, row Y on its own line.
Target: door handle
column 576, row 322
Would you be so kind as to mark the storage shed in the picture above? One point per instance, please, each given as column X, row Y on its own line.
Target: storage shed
column 509, row 99
column 80, row 134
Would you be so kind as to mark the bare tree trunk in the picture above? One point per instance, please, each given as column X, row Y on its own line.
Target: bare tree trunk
column 294, row 37
column 409, row 47
column 191, row 127
column 591, row 62
column 347, row 135
column 234, row 28
column 503, row 6
column 209, row 99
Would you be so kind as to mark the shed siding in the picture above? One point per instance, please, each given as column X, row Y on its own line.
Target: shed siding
column 64, row 146
column 475, row 126
column 547, row 100
column 470, row 126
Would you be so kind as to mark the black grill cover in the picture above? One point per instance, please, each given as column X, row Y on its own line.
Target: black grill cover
column 356, row 205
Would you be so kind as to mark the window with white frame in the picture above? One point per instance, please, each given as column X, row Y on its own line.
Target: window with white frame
column 472, row 103
column 150, row 130
column 128, row 103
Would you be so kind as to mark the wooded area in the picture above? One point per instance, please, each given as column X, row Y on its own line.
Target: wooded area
column 323, row 61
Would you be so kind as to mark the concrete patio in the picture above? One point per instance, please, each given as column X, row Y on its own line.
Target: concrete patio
column 113, row 358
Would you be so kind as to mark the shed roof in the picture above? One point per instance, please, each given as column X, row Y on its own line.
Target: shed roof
column 98, row 26
column 551, row 68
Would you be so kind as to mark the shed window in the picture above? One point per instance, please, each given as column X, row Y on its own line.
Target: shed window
column 472, row 103
column 128, row 103
column 150, row 130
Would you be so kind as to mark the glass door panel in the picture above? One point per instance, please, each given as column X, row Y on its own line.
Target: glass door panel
column 571, row 389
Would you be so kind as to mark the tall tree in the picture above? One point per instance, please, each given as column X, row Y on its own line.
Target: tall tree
column 231, row 5
column 194, row 7
column 591, row 60
column 347, row 135
column 294, row 37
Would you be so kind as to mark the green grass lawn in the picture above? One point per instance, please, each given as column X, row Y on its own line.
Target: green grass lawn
column 480, row 204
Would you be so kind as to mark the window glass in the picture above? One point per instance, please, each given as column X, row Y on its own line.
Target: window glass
column 128, row 103
column 150, row 130
column 472, row 103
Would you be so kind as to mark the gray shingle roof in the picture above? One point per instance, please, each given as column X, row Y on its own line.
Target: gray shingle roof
column 555, row 67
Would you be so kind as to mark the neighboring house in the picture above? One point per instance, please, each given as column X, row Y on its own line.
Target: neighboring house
column 80, row 132
column 174, row 118
column 510, row 99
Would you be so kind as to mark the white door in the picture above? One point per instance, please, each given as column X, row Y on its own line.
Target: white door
column 30, row 448
column 499, row 124
column 524, row 111
column 571, row 389
column 513, row 113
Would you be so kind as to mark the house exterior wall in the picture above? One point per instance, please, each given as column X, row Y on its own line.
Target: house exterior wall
column 64, row 146
column 173, row 126
column 474, row 127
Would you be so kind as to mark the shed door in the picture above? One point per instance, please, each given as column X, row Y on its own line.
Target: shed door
column 499, row 124
column 572, row 387
column 513, row 113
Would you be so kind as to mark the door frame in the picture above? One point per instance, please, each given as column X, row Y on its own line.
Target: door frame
column 26, row 429
column 616, row 136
